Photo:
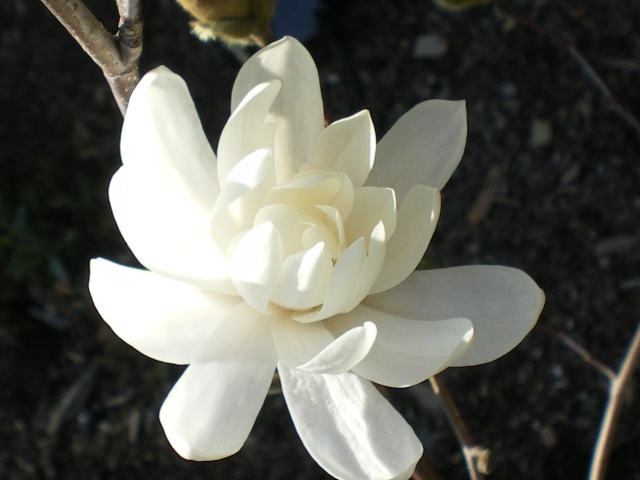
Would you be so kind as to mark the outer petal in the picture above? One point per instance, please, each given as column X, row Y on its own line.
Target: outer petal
column 348, row 145
column 165, row 236
column 311, row 348
column 210, row 411
column 417, row 220
column 348, row 427
column 503, row 303
column 162, row 135
column 407, row 351
column 167, row 320
column 297, row 111
column 423, row 147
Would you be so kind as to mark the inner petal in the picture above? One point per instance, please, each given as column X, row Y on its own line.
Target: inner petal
column 303, row 279
column 317, row 232
column 290, row 222
column 318, row 187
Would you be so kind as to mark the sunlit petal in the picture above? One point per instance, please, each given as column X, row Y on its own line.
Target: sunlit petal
column 165, row 319
column 312, row 348
column 417, row 220
column 407, row 350
column 423, row 147
column 503, row 304
column 348, row 427
column 297, row 111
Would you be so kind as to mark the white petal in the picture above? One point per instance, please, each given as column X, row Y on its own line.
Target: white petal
column 311, row 348
column 210, row 411
column 348, row 145
column 255, row 265
column 242, row 196
column 289, row 221
column 348, row 427
column 166, row 320
column 417, row 220
column 303, row 279
column 376, row 255
column 163, row 137
column 307, row 190
column 503, row 304
column 297, row 111
column 407, row 351
column 370, row 205
column 423, row 147
column 246, row 130
column 344, row 287
column 165, row 237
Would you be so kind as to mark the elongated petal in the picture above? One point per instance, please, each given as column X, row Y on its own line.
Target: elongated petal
column 246, row 130
column 423, row 147
column 165, row 319
column 312, row 348
column 162, row 135
column 417, row 220
column 503, row 304
column 406, row 351
column 210, row 411
column 163, row 236
column 297, row 111
column 348, row 427
column 347, row 145
column 256, row 263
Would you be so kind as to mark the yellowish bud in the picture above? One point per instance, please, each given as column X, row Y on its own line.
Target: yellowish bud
column 236, row 22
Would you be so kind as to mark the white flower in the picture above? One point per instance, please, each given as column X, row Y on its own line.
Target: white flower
column 294, row 249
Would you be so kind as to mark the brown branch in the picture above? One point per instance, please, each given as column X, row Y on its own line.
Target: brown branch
column 476, row 457
column 580, row 350
column 612, row 412
column 116, row 55
column 593, row 76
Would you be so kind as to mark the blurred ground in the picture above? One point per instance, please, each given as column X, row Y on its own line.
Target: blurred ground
column 550, row 183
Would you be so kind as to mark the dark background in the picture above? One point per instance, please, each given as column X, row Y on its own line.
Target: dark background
column 550, row 183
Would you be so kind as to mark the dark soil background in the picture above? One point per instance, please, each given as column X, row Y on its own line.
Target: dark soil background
column 550, row 183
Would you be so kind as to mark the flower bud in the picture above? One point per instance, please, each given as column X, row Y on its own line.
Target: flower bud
column 236, row 22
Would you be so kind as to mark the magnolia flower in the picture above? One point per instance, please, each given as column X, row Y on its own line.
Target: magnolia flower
column 294, row 249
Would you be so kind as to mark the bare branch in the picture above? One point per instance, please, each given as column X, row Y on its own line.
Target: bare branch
column 116, row 55
column 475, row 456
column 580, row 350
column 612, row 412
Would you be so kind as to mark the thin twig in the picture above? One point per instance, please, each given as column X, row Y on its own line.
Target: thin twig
column 580, row 350
column 470, row 450
column 612, row 412
column 116, row 55
column 593, row 76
